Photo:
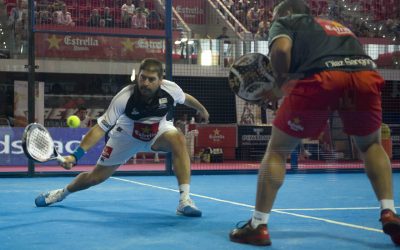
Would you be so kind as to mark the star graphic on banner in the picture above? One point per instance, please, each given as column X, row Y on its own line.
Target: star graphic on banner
column 128, row 44
column 54, row 42
column 216, row 131
column 146, row 130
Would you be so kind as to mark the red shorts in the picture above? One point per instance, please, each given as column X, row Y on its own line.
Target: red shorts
column 310, row 101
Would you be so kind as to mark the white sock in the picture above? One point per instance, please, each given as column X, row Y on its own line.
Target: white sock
column 65, row 192
column 259, row 218
column 387, row 204
column 184, row 190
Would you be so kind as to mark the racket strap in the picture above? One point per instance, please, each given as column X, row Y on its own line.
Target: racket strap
column 78, row 153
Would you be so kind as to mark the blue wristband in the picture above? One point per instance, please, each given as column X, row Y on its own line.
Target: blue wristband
column 78, row 153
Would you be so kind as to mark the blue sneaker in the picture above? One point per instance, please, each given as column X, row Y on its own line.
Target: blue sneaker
column 188, row 208
column 48, row 198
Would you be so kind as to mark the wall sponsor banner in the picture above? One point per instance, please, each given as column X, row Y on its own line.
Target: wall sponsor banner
column 65, row 139
column 98, row 47
column 253, row 135
column 217, row 136
column 192, row 11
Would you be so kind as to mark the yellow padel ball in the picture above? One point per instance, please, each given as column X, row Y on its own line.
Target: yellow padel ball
column 73, row 121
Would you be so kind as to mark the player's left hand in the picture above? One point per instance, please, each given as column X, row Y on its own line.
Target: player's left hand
column 69, row 162
column 204, row 116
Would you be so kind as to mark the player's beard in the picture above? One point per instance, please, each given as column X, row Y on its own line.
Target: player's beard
column 146, row 93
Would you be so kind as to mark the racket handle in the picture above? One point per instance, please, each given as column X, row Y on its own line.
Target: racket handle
column 60, row 158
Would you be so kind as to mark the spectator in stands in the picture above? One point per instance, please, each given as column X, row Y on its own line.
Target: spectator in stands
column 86, row 120
column 262, row 11
column 253, row 16
column 102, row 23
column 262, row 33
column 228, row 3
column 142, row 8
column 265, row 23
column 14, row 17
column 239, row 12
column 224, row 36
column 226, row 47
column 21, row 33
column 154, row 20
column 139, row 20
column 127, row 12
column 45, row 16
column 94, row 18
column 108, row 18
column 63, row 17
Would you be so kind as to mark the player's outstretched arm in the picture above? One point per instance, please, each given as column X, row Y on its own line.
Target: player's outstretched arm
column 89, row 140
column 192, row 102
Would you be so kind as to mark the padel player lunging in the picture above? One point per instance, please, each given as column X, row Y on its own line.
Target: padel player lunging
column 139, row 119
column 337, row 75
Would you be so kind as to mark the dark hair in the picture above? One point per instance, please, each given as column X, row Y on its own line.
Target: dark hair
column 152, row 65
column 294, row 6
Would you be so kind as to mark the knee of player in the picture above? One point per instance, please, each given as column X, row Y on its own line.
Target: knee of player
column 178, row 146
column 181, row 139
column 372, row 146
column 177, row 140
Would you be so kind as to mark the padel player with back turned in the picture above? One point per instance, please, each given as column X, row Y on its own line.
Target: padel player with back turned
column 336, row 75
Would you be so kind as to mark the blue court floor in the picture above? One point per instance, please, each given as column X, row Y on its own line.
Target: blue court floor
column 313, row 211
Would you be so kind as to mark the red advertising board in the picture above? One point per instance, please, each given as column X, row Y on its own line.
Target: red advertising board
column 218, row 136
column 192, row 11
column 69, row 45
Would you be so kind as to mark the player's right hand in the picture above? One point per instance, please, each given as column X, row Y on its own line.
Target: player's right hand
column 69, row 162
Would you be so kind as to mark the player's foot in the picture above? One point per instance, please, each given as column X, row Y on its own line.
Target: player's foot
column 188, row 208
column 391, row 225
column 254, row 236
column 47, row 198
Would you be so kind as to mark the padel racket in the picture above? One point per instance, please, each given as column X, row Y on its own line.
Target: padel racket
column 38, row 144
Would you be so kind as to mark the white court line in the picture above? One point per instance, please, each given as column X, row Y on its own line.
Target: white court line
column 329, row 221
column 281, row 211
column 328, row 208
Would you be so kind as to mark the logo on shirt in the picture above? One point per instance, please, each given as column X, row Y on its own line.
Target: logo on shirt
column 334, row 28
column 105, row 124
column 134, row 112
column 163, row 103
column 295, row 125
column 107, row 152
column 163, row 100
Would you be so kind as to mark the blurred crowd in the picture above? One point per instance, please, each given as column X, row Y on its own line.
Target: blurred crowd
column 366, row 18
column 138, row 14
